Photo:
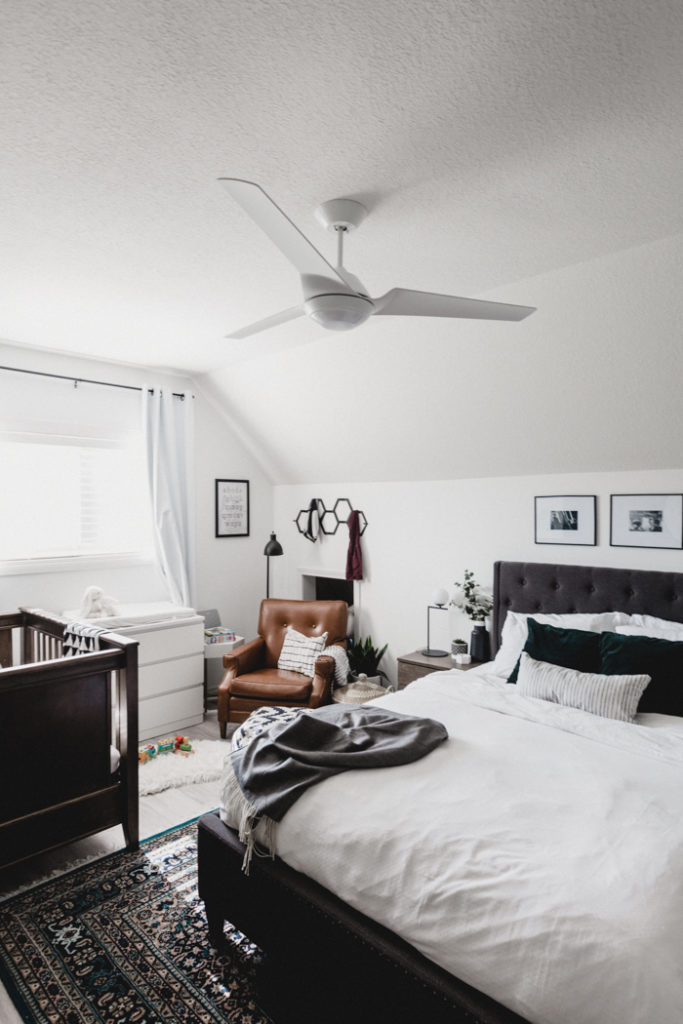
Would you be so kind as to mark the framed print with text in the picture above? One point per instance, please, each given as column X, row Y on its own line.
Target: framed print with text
column 232, row 508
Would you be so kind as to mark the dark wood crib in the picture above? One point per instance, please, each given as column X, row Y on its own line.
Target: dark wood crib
column 60, row 718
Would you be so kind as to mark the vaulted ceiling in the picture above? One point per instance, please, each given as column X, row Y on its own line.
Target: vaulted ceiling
column 504, row 149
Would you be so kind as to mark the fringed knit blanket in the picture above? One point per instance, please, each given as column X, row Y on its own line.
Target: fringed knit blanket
column 81, row 638
column 266, row 777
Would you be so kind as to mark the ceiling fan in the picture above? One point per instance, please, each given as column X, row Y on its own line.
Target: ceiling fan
column 333, row 297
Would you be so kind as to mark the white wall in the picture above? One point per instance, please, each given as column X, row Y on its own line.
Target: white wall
column 422, row 536
column 230, row 571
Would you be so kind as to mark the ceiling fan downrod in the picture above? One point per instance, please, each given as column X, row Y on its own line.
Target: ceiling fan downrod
column 341, row 231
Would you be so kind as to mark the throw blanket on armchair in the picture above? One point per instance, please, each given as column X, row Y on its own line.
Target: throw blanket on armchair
column 264, row 778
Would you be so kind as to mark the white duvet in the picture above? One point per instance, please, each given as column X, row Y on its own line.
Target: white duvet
column 537, row 854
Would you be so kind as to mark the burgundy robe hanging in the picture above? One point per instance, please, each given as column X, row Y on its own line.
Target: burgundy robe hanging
column 354, row 557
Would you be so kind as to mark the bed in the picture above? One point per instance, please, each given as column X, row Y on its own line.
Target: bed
column 608, row 792
column 68, row 756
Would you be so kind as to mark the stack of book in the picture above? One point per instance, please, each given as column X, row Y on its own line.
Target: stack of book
column 218, row 635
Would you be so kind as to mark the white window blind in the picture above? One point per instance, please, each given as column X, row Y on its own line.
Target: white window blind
column 63, row 499
column 72, row 475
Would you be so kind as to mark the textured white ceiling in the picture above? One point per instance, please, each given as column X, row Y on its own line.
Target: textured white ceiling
column 492, row 140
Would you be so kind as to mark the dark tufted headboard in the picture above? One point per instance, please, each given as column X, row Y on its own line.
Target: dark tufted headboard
column 541, row 587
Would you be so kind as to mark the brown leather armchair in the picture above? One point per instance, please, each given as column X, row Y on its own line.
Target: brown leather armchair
column 252, row 678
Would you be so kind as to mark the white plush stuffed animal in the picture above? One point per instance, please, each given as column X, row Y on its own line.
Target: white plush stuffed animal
column 95, row 604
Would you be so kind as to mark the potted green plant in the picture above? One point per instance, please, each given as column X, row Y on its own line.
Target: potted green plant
column 364, row 659
column 476, row 603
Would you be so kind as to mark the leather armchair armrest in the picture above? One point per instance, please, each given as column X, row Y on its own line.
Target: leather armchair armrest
column 246, row 658
column 322, row 682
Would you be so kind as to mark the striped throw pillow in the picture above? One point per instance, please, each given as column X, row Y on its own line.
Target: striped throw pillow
column 299, row 652
column 607, row 696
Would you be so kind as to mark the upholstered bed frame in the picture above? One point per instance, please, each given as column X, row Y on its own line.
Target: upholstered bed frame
column 539, row 587
column 324, row 961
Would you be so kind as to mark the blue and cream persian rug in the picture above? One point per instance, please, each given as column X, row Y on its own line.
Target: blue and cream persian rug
column 123, row 940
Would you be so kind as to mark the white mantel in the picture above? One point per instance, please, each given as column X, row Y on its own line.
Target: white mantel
column 321, row 570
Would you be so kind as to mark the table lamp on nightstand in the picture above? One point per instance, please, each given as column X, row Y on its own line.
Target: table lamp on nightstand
column 439, row 601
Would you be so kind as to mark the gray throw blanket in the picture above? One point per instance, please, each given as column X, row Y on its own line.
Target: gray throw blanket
column 265, row 778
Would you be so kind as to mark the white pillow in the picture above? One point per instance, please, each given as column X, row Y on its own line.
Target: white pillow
column 515, row 631
column 299, row 652
column 608, row 696
column 649, row 625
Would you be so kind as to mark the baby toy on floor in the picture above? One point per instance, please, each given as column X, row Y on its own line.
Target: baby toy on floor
column 180, row 745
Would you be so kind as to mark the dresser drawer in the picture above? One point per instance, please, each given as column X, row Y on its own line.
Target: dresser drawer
column 409, row 673
column 167, row 676
column 175, row 642
column 171, row 712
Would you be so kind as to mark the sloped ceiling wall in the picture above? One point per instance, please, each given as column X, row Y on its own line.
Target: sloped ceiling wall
column 591, row 381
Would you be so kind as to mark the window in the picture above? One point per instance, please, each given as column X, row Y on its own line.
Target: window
column 67, row 497
column 73, row 482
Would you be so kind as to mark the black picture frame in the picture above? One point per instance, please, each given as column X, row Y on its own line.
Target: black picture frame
column 232, row 508
column 646, row 521
column 565, row 519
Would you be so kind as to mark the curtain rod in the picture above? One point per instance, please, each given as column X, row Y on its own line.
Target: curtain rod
column 83, row 380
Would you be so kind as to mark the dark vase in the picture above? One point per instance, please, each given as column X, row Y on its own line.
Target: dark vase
column 480, row 647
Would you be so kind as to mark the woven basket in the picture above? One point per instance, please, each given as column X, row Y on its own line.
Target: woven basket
column 358, row 693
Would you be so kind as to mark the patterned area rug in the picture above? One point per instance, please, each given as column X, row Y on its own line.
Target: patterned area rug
column 124, row 941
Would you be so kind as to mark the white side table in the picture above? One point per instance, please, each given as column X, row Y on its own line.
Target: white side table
column 213, row 667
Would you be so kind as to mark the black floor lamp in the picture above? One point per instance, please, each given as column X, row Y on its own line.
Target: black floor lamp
column 273, row 547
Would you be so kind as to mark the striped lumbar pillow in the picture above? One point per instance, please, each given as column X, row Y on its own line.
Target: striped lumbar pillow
column 607, row 696
column 299, row 652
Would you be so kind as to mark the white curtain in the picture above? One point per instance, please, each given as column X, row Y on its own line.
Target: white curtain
column 169, row 436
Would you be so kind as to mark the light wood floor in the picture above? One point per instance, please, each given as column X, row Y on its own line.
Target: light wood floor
column 158, row 812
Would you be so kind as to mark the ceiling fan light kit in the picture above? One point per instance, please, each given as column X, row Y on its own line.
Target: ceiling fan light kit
column 338, row 312
column 333, row 297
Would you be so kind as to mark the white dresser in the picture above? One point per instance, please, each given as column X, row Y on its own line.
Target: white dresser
column 170, row 663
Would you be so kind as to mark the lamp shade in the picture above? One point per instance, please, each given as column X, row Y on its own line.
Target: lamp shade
column 440, row 597
column 273, row 547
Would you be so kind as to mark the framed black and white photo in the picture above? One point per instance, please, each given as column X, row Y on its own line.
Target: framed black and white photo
column 232, row 508
column 565, row 519
column 646, row 520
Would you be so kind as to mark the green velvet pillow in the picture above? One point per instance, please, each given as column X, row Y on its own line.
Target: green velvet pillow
column 569, row 648
column 662, row 660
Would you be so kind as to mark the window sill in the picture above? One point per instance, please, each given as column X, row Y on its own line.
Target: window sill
column 73, row 563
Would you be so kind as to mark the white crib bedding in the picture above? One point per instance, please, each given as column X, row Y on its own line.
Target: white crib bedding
column 537, row 854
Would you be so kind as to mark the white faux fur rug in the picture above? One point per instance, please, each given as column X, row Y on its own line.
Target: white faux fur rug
column 166, row 771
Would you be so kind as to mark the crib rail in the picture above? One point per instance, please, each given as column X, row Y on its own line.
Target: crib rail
column 30, row 635
column 62, row 715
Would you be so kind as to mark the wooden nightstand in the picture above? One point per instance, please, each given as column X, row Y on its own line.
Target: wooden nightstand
column 413, row 666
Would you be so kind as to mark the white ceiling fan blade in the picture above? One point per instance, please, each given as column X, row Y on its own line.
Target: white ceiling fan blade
column 283, row 232
column 406, row 302
column 270, row 321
